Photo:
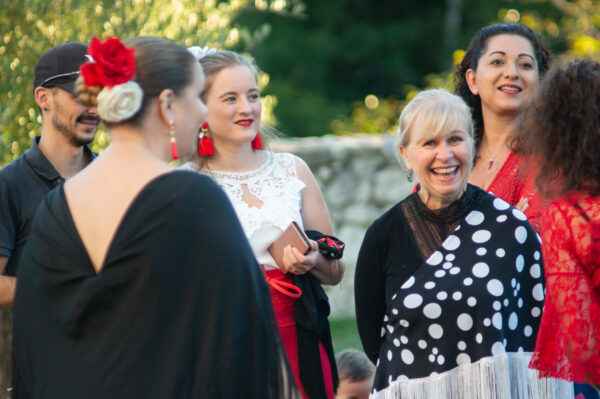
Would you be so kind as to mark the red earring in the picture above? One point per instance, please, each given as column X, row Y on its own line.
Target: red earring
column 257, row 142
column 174, row 152
column 205, row 145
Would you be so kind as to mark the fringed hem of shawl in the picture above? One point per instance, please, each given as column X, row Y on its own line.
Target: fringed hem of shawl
column 496, row 377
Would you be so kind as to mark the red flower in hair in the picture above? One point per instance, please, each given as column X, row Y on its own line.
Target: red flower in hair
column 113, row 63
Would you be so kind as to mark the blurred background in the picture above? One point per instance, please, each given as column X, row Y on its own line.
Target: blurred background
column 329, row 68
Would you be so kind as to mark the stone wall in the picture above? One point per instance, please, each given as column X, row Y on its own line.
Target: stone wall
column 360, row 178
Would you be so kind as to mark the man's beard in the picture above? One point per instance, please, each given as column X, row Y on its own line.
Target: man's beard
column 69, row 131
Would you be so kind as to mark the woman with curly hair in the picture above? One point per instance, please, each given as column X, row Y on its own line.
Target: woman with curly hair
column 497, row 76
column 562, row 130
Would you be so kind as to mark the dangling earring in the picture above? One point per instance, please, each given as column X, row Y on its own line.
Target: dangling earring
column 174, row 152
column 409, row 176
column 257, row 142
column 205, row 145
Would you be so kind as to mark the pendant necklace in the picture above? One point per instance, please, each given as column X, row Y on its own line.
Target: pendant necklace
column 491, row 165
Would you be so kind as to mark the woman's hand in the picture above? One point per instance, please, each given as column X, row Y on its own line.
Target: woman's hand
column 523, row 204
column 325, row 270
column 296, row 263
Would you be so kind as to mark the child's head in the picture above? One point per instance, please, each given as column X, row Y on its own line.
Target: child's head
column 356, row 374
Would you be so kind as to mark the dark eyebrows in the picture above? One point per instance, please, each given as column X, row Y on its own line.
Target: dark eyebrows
column 497, row 52
column 526, row 55
column 503, row 53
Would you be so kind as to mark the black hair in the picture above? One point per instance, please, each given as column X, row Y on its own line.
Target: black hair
column 477, row 47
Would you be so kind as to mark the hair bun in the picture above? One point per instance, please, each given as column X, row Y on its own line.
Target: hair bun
column 86, row 95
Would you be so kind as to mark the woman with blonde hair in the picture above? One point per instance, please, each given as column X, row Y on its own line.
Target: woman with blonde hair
column 448, row 284
column 269, row 191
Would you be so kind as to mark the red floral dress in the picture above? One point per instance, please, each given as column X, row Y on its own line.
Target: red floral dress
column 511, row 185
column 568, row 343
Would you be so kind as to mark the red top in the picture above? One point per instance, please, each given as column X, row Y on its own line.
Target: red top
column 511, row 185
column 568, row 343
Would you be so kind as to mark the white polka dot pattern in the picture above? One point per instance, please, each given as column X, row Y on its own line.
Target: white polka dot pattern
column 494, row 287
column 538, row 292
column 475, row 218
column 481, row 270
column 409, row 283
column 436, row 331
column 535, row 270
column 407, row 356
column 436, row 258
column 480, row 294
column 464, row 322
column 413, row 301
column 432, row 311
column 481, row 236
column 521, row 234
column 451, row 243
column 500, row 204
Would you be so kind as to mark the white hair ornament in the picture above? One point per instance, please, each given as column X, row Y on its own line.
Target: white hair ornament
column 201, row 52
column 120, row 102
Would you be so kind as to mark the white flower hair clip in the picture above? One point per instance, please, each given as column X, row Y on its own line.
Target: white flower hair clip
column 201, row 52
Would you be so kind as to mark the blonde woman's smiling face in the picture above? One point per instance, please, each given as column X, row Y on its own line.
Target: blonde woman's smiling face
column 442, row 164
column 234, row 106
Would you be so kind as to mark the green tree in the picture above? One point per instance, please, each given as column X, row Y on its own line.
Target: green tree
column 569, row 29
column 337, row 51
column 28, row 28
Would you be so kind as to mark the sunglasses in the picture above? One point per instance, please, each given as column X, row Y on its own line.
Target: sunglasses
column 62, row 78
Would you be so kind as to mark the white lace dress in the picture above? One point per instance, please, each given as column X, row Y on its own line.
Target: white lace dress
column 276, row 185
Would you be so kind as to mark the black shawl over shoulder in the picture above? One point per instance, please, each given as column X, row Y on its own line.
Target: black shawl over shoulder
column 312, row 327
column 180, row 308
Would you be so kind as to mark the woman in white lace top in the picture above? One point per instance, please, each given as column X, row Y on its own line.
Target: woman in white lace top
column 269, row 191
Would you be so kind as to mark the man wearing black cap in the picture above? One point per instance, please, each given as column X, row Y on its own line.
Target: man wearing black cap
column 58, row 154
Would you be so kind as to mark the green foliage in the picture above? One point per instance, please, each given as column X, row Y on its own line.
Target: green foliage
column 28, row 28
column 375, row 115
column 337, row 51
column 337, row 66
column 569, row 29
column 344, row 334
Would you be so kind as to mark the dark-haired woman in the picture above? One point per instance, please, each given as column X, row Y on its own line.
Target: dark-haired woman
column 125, row 287
column 562, row 129
column 499, row 72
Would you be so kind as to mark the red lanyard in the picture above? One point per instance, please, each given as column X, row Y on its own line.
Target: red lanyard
column 287, row 289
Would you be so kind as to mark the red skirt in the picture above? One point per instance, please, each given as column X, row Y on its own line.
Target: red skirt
column 283, row 305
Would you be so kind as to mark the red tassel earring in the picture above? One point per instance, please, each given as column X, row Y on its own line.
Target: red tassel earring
column 205, row 145
column 174, row 152
column 257, row 142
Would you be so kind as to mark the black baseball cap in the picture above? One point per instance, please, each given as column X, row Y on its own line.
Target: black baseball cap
column 59, row 66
